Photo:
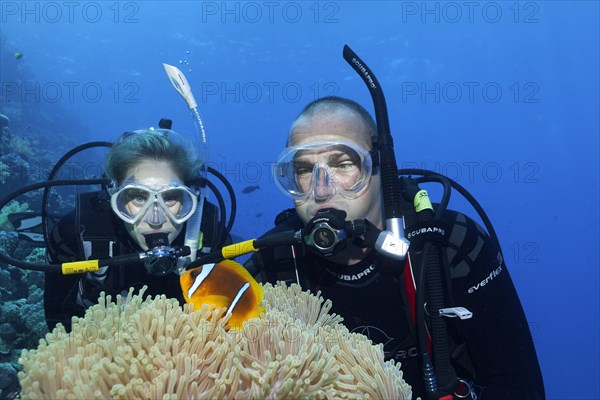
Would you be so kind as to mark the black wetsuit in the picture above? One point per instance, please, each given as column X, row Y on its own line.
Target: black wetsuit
column 94, row 226
column 493, row 349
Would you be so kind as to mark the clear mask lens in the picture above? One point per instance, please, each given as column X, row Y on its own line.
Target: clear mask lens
column 134, row 202
column 323, row 169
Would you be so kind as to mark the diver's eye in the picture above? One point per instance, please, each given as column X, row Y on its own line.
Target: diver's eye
column 302, row 169
column 345, row 166
column 137, row 197
column 171, row 198
column 303, row 172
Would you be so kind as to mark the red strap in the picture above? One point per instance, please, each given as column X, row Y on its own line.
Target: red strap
column 411, row 294
column 410, row 288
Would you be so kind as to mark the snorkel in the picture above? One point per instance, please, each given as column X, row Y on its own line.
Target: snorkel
column 181, row 85
column 391, row 241
column 439, row 376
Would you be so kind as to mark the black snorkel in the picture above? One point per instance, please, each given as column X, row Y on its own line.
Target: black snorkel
column 391, row 241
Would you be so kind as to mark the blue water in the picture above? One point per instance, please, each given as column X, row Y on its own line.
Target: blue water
column 501, row 96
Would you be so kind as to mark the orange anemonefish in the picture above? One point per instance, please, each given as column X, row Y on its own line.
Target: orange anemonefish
column 226, row 284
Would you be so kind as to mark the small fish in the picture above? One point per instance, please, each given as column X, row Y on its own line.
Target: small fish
column 18, row 56
column 250, row 189
column 225, row 285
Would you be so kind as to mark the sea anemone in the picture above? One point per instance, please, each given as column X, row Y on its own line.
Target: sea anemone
column 154, row 348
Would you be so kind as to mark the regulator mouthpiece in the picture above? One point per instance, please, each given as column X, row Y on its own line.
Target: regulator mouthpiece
column 328, row 232
column 161, row 259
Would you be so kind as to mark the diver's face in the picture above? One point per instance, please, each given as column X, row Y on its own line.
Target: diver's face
column 153, row 174
column 341, row 126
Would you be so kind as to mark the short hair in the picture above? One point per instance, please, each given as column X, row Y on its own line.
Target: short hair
column 134, row 147
column 333, row 104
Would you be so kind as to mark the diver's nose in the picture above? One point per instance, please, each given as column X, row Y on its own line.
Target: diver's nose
column 155, row 216
column 324, row 189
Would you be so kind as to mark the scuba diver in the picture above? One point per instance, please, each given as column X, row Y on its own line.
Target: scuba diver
column 428, row 283
column 150, row 199
column 148, row 221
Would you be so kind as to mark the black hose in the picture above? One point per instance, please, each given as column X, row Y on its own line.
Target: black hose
column 387, row 157
column 429, row 375
column 231, row 192
column 437, row 372
column 30, row 266
column 39, row 185
column 430, row 279
column 474, row 203
column 223, row 212
column 443, row 205
column 446, row 376
column 28, row 188
column 53, row 173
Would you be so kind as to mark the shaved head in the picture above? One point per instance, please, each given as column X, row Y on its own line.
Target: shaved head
column 338, row 107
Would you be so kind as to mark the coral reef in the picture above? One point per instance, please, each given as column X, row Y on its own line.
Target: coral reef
column 7, row 372
column 10, row 208
column 154, row 348
column 32, row 134
column 4, row 172
column 22, row 321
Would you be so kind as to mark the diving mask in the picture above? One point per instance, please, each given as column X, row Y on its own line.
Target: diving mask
column 133, row 201
column 323, row 169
